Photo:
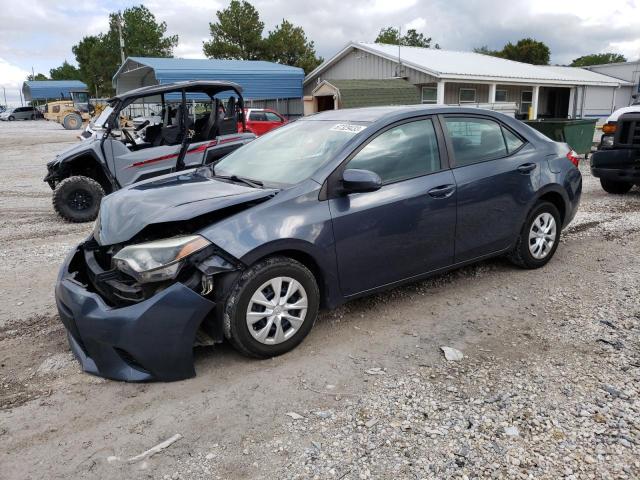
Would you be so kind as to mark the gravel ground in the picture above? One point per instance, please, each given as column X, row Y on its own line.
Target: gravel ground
column 547, row 386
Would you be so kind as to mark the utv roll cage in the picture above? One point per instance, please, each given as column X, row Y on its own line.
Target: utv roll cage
column 221, row 120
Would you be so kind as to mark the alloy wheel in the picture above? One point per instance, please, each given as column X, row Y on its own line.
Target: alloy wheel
column 542, row 235
column 277, row 310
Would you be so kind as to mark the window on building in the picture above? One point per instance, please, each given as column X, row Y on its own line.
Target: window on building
column 429, row 94
column 467, row 95
column 475, row 140
column 526, row 100
column 406, row 151
column 501, row 95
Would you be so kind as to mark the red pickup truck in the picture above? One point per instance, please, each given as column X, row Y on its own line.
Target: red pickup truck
column 262, row 120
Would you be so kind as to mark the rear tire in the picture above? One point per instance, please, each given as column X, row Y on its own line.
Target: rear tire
column 77, row 199
column 538, row 240
column 614, row 187
column 73, row 121
column 282, row 326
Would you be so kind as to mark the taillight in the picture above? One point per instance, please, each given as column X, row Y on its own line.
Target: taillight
column 573, row 157
column 609, row 128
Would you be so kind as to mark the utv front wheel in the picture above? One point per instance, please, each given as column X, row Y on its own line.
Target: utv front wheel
column 271, row 308
column 77, row 199
column 617, row 188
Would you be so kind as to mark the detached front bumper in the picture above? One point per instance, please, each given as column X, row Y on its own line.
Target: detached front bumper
column 622, row 165
column 150, row 340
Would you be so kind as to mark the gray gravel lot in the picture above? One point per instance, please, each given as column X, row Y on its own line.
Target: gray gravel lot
column 548, row 386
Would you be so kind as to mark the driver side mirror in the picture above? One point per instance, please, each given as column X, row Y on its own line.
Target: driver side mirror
column 360, row 181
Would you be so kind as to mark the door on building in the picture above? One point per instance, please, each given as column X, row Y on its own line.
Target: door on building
column 557, row 102
column 325, row 102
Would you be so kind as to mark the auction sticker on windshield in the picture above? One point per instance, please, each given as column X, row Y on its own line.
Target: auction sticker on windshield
column 345, row 127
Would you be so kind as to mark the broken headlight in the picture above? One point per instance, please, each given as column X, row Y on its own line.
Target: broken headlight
column 158, row 260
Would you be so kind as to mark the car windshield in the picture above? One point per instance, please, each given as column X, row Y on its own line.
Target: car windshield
column 289, row 154
column 99, row 122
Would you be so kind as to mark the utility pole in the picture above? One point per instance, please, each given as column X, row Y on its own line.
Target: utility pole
column 4, row 90
column 121, row 39
column 21, row 103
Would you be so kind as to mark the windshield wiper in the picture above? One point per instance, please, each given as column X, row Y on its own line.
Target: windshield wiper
column 237, row 179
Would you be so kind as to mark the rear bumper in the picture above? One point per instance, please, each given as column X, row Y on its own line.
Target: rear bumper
column 622, row 165
column 150, row 340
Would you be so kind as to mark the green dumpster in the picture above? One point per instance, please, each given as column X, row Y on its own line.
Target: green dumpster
column 578, row 134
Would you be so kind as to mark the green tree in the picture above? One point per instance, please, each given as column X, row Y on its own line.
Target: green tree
column 98, row 56
column 288, row 44
column 598, row 59
column 237, row 34
column 485, row 50
column 526, row 50
column 96, row 64
column 66, row 71
column 412, row 38
column 388, row 35
column 38, row 76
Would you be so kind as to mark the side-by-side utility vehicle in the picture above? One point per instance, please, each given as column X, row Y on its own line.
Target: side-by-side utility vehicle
column 118, row 156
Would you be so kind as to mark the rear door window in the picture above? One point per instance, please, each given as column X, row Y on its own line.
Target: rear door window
column 513, row 141
column 475, row 139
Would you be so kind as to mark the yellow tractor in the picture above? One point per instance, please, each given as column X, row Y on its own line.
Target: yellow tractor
column 73, row 112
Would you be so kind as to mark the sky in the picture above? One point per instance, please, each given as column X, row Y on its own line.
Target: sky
column 39, row 34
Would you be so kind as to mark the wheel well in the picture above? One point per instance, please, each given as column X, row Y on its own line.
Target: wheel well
column 556, row 199
column 309, row 262
column 88, row 166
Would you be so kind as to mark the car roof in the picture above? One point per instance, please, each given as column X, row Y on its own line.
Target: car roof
column 210, row 87
column 373, row 114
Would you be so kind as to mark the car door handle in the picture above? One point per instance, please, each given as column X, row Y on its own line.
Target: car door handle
column 527, row 167
column 443, row 191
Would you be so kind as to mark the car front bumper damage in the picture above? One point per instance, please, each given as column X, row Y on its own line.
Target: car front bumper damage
column 149, row 340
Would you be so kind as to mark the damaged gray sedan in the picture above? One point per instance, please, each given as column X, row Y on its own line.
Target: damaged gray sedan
column 326, row 209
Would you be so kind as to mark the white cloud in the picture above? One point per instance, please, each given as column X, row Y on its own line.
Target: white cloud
column 417, row 23
column 42, row 32
column 11, row 78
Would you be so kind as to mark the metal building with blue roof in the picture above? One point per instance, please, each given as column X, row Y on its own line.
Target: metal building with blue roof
column 261, row 81
column 51, row 89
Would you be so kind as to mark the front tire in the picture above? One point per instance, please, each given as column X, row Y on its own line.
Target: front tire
column 539, row 237
column 11, row 118
column 77, row 199
column 271, row 308
column 614, row 187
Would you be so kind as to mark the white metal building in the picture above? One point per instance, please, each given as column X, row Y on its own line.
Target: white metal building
column 453, row 78
column 627, row 71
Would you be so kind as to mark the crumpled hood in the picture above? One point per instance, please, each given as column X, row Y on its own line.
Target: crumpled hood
column 169, row 198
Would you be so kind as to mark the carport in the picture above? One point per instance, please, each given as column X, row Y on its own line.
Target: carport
column 51, row 89
column 265, row 84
